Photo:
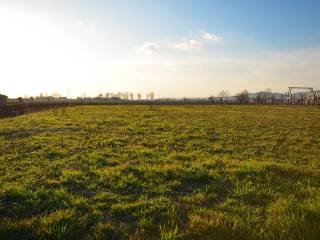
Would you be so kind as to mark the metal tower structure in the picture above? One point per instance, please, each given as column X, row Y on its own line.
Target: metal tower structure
column 312, row 97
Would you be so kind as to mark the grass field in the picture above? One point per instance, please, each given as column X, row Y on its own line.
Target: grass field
column 171, row 172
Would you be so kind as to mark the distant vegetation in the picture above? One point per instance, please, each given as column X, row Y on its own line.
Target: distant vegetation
column 295, row 96
column 170, row 172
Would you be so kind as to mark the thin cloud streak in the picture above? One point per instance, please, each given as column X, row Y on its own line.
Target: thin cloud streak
column 186, row 44
column 212, row 37
column 148, row 49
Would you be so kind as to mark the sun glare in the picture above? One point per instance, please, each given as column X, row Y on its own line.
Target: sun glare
column 38, row 53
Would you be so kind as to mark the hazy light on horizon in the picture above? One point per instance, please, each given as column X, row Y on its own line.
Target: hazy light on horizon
column 45, row 51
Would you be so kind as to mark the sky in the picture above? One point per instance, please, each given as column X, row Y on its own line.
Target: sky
column 175, row 48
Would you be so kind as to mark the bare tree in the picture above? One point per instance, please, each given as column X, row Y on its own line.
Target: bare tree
column 243, row 97
column 100, row 95
column 260, row 99
column 223, row 94
column 211, row 99
column 151, row 94
column 131, row 96
column 268, row 94
column 139, row 96
column 127, row 95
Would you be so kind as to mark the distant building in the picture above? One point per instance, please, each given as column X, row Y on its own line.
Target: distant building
column 3, row 100
column 115, row 98
column 45, row 99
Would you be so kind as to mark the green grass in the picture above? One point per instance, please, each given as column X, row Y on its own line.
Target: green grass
column 171, row 172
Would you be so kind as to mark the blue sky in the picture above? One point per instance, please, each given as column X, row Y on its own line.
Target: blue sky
column 276, row 24
column 175, row 48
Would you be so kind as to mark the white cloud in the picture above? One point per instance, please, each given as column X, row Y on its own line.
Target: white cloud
column 186, row 44
column 212, row 37
column 148, row 49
